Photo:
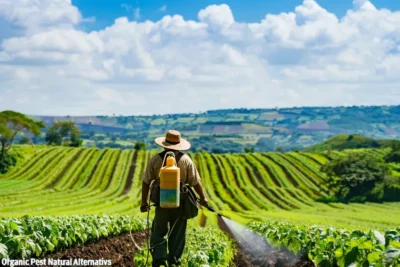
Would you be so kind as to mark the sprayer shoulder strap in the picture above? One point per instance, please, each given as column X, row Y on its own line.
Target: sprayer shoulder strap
column 178, row 156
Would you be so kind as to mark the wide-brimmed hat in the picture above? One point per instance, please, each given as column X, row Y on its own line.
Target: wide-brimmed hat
column 173, row 140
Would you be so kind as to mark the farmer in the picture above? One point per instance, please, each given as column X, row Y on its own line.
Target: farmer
column 166, row 219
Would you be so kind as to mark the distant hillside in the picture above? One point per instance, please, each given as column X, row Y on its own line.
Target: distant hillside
column 352, row 141
column 234, row 129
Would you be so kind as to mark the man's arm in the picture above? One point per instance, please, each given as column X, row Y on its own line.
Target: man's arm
column 200, row 191
column 147, row 177
column 193, row 179
column 145, row 191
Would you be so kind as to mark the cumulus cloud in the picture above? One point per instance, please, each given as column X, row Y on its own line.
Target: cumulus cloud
column 363, row 4
column 308, row 56
column 35, row 15
column 217, row 15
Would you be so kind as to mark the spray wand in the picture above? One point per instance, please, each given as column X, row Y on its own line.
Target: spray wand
column 207, row 206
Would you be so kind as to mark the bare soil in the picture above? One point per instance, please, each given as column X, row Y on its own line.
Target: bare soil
column 119, row 249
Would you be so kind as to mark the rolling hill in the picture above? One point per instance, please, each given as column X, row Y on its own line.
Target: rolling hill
column 254, row 186
column 352, row 141
column 222, row 131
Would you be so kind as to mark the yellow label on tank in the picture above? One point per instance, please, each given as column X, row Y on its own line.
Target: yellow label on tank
column 170, row 180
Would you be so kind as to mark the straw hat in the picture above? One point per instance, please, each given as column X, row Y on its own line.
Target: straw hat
column 173, row 140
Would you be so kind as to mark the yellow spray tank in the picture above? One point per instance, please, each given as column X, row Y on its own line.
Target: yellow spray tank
column 170, row 179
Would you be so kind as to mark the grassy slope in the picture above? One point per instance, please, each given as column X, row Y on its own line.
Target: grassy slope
column 354, row 141
column 260, row 186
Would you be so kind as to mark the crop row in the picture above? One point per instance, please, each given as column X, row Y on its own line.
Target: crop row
column 86, row 181
column 66, row 181
column 259, row 181
column 59, row 181
column 333, row 247
column 35, row 236
column 204, row 247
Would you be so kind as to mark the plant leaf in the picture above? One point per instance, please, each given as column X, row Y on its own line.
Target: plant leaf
column 380, row 237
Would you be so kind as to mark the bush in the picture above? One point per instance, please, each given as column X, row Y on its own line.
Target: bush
column 76, row 143
column 330, row 199
column 140, row 146
column 377, row 193
column 6, row 162
column 392, row 192
column 358, row 199
column 24, row 141
column 248, row 149
column 394, row 157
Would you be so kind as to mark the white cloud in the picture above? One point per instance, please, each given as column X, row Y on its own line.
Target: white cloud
column 217, row 15
column 109, row 95
column 305, row 57
column 23, row 74
column 163, row 8
column 363, row 4
column 34, row 15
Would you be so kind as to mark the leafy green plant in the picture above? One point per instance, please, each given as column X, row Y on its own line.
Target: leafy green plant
column 335, row 247
column 35, row 236
column 204, row 247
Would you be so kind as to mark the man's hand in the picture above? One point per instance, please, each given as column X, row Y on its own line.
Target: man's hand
column 144, row 207
column 203, row 201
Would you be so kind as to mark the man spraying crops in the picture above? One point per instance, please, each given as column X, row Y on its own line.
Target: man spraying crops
column 169, row 221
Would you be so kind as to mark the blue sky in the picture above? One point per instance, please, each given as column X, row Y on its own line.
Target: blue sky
column 132, row 57
column 105, row 11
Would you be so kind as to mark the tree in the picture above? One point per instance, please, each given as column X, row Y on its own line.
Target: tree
column 356, row 177
column 393, row 156
column 24, row 141
column 64, row 133
column 11, row 125
column 248, row 149
column 140, row 146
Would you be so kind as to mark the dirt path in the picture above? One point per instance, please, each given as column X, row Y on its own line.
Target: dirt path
column 118, row 249
column 247, row 254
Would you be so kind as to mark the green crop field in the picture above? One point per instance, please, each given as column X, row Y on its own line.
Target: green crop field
column 254, row 187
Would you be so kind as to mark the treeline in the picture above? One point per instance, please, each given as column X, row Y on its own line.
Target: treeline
column 15, row 126
column 361, row 177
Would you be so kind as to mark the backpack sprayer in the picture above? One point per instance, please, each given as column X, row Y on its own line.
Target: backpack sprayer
column 170, row 184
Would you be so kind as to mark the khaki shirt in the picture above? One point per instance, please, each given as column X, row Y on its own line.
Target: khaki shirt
column 189, row 173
